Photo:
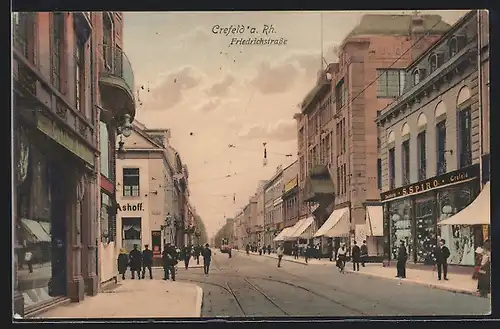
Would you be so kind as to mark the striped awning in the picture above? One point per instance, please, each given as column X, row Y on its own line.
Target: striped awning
column 36, row 230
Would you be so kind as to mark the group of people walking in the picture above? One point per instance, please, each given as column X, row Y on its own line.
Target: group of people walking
column 139, row 261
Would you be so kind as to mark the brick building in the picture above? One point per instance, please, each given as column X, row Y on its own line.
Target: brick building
column 337, row 134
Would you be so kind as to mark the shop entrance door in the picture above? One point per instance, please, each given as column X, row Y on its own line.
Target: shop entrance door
column 58, row 282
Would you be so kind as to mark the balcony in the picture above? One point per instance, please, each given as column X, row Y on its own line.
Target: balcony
column 116, row 82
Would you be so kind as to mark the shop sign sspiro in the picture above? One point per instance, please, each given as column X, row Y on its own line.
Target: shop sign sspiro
column 458, row 176
column 290, row 185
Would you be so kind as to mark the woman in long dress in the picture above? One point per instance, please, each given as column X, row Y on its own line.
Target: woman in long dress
column 484, row 274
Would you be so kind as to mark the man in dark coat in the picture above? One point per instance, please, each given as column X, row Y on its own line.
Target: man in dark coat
column 402, row 258
column 147, row 261
column 122, row 263
column 364, row 253
column 441, row 254
column 247, row 249
column 135, row 258
column 356, row 256
column 197, row 252
column 186, row 255
column 330, row 251
column 207, row 258
column 169, row 260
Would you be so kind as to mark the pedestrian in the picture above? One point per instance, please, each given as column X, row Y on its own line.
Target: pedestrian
column 122, row 262
column 296, row 251
column 364, row 253
column 147, row 261
column 484, row 274
column 197, row 252
column 341, row 257
column 186, row 256
column 28, row 258
column 169, row 260
column 247, row 249
column 330, row 251
column 207, row 258
column 441, row 255
column 135, row 258
column 309, row 253
column 269, row 249
column 356, row 256
column 279, row 252
column 260, row 250
column 402, row 258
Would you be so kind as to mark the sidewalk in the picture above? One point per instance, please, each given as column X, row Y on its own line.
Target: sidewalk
column 136, row 299
column 288, row 258
column 459, row 283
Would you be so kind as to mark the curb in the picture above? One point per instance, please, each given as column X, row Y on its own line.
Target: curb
column 199, row 302
column 430, row 285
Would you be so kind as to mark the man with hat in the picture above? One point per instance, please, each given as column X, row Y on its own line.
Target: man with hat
column 147, row 261
column 135, row 259
column 169, row 259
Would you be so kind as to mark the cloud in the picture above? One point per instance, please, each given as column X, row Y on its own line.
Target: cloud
column 282, row 130
column 221, row 88
column 215, row 103
column 274, row 79
column 168, row 92
column 195, row 36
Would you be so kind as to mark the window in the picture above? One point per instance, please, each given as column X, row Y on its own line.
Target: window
column 58, row 29
column 107, row 41
column 337, row 139
column 392, row 169
column 390, row 82
column 453, row 47
column 24, row 28
column 345, row 178
column 465, row 143
column 379, row 174
column 436, row 60
column 327, row 148
column 301, row 137
column 104, row 149
column 130, row 181
column 338, row 180
column 421, row 158
column 343, row 135
column 405, row 158
column 341, row 94
column 79, row 72
column 441, row 147
column 416, row 77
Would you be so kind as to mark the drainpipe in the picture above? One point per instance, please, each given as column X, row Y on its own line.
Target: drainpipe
column 480, row 94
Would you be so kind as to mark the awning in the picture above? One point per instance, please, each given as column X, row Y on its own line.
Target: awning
column 477, row 213
column 375, row 220
column 36, row 230
column 281, row 236
column 332, row 221
column 291, row 235
column 306, row 223
column 309, row 230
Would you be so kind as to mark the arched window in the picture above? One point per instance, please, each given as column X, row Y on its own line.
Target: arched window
column 421, row 147
column 453, row 47
column 405, row 154
column 433, row 62
column 416, row 77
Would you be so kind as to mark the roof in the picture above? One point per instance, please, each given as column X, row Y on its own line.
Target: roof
column 378, row 24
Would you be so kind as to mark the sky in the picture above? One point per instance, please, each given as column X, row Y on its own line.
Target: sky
column 193, row 78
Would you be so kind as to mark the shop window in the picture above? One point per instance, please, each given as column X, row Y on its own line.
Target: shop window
column 58, row 39
column 459, row 239
column 131, row 232
column 390, row 82
column 405, row 159
column 441, row 147
column 422, row 160
column 400, row 226
column 465, row 142
column 392, row 168
column 24, row 34
column 130, row 181
column 425, row 222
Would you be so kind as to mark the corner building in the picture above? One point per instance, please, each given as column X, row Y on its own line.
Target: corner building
column 434, row 150
column 337, row 135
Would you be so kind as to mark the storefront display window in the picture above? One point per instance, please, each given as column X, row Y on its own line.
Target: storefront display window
column 425, row 228
column 33, row 223
column 400, row 225
column 459, row 238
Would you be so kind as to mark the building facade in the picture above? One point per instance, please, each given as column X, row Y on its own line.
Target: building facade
column 337, row 135
column 257, row 213
column 64, row 72
column 273, row 218
column 432, row 148
column 146, row 191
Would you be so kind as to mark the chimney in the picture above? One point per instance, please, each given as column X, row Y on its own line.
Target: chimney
column 417, row 23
